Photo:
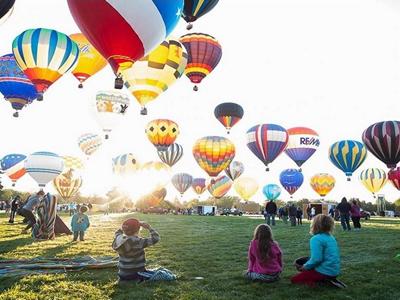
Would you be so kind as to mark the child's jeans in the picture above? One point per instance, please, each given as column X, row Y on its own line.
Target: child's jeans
column 81, row 235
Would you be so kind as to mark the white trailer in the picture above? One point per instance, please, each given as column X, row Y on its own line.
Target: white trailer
column 206, row 210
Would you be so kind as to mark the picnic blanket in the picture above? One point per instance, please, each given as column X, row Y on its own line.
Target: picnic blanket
column 23, row 267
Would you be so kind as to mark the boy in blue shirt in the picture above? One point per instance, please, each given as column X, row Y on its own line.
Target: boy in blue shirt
column 80, row 223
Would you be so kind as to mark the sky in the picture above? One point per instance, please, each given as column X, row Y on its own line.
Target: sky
column 331, row 65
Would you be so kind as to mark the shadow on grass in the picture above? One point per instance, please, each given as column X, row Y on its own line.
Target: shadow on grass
column 10, row 245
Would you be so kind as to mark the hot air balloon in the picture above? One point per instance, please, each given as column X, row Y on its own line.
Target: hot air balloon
column 246, row 187
column 394, row 177
column 154, row 199
column 194, row 9
column 302, row 144
column 73, row 163
column 267, row 141
column 14, row 166
column 373, row 179
column 6, row 9
column 291, row 180
column 272, row 191
column 383, row 140
column 173, row 154
column 213, row 154
column 14, row 85
column 90, row 60
column 162, row 133
column 204, row 54
column 44, row 55
column 199, row 185
column 228, row 114
column 182, row 182
column 111, row 107
column 156, row 171
column 347, row 156
column 234, row 170
column 125, row 164
column 218, row 187
column 322, row 183
column 89, row 143
column 43, row 167
column 125, row 31
column 156, row 72
column 67, row 185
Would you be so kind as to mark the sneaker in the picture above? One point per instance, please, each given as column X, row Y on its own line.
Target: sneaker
column 337, row 283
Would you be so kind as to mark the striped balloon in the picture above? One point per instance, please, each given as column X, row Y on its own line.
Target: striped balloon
column 6, row 9
column 383, row 140
column 125, row 164
column 173, row 154
column 89, row 143
column 322, row 183
column 213, row 154
column 267, row 141
column 347, row 156
column 14, row 84
column 162, row 133
column 111, row 107
column 218, row 187
column 291, row 180
column 199, row 185
column 302, row 144
column 72, row 162
column 228, row 114
column 124, row 31
column 43, row 167
column 46, row 212
column 182, row 182
column 394, row 177
column 204, row 54
column 272, row 191
column 44, row 55
column 14, row 166
column 156, row 72
column 67, row 185
column 373, row 179
column 234, row 170
column 194, row 9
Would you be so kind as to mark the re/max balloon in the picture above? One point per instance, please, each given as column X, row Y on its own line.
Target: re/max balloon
column 302, row 144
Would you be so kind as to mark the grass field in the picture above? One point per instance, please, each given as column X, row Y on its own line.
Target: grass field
column 211, row 247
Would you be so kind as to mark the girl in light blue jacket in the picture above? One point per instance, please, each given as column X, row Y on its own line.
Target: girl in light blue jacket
column 80, row 223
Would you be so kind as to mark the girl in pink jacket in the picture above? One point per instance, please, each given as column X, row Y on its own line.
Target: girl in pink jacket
column 265, row 256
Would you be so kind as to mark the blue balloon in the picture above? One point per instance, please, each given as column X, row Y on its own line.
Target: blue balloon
column 291, row 180
column 272, row 191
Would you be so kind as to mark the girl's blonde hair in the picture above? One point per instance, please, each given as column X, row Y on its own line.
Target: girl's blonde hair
column 322, row 224
column 263, row 234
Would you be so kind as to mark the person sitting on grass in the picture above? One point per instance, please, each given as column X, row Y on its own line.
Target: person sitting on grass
column 265, row 256
column 80, row 223
column 132, row 260
column 324, row 264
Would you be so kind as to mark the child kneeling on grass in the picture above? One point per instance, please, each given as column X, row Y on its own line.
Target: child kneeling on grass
column 265, row 256
column 132, row 261
column 324, row 264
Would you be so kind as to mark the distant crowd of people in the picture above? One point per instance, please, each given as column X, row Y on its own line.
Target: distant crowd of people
column 345, row 211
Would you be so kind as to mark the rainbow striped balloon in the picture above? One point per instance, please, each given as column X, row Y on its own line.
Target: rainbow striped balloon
column 219, row 186
column 89, row 143
column 213, row 154
column 199, row 185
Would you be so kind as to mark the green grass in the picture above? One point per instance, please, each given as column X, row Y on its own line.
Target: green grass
column 211, row 247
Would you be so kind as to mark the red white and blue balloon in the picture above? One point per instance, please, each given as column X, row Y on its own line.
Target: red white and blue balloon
column 14, row 166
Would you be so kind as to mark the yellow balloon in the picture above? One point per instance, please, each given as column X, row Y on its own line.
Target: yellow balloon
column 322, row 183
column 246, row 187
column 90, row 60
column 156, row 72
column 373, row 179
column 72, row 162
column 67, row 185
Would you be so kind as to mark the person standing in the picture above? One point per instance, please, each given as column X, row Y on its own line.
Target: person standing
column 14, row 207
column 270, row 212
column 28, row 209
column 309, row 212
column 312, row 212
column 285, row 213
column 299, row 216
column 292, row 214
column 80, row 223
column 344, row 209
column 356, row 215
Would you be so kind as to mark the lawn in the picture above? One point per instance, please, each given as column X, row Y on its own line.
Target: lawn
column 214, row 248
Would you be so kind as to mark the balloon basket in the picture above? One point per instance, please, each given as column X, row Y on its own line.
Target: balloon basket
column 106, row 136
column 119, row 83
column 143, row 111
column 189, row 26
column 39, row 97
column 80, row 86
column 195, row 88
column 348, row 179
column 16, row 114
column 266, row 169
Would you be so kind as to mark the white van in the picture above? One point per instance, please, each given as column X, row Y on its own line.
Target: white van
column 206, row 210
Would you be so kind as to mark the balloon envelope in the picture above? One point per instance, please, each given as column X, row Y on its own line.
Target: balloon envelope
column 43, row 167
column 14, row 166
column 373, row 179
column 218, row 187
column 199, row 185
column 125, row 164
column 228, row 114
column 322, row 183
column 162, row 133
column 394, row 177
column 234, row 170
column 272, row 191
column 302, row 144
column 246, row 187
column 182, row 182
column 291, row 180
column 383, row 141
column 89, row 143
column 67, row 185
column 194, row 9
column 172, row 155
